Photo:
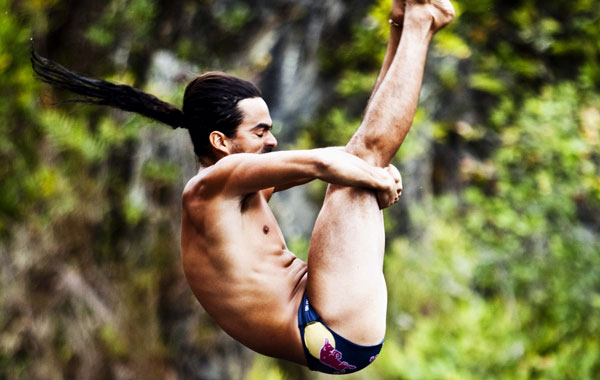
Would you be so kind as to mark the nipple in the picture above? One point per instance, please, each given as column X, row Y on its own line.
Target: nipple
column 266, row 229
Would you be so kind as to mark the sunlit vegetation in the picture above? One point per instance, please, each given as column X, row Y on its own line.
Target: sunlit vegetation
column 493, row 255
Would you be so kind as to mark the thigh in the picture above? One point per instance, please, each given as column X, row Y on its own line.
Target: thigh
column 345, row 262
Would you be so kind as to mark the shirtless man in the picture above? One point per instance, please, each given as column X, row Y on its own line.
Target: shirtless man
column 328, row 313
column 234, row 255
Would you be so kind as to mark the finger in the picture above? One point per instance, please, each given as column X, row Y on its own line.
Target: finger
column 395, row 174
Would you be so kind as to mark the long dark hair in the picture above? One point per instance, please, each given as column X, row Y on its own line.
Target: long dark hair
column 209, row 103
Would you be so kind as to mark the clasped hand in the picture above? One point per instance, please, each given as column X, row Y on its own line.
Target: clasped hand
column 389, row 196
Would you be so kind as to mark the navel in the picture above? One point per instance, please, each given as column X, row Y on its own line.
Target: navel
column 266, row 229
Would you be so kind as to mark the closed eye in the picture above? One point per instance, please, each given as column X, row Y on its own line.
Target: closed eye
column 261, row 129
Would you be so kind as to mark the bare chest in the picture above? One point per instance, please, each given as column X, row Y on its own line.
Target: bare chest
column 238, row 258
column 232, row 235
column 259, row 225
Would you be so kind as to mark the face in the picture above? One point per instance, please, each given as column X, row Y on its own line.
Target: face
column 254, row 133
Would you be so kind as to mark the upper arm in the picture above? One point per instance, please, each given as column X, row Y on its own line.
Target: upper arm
column 246, row 173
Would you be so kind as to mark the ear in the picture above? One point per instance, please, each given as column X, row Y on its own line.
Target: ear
column 220, row 142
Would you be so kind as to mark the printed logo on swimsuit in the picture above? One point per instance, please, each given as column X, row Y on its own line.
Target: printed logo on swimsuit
column 333, row 358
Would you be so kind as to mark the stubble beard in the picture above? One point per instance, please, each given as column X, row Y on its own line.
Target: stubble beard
column 236, row 149
column 266, row 149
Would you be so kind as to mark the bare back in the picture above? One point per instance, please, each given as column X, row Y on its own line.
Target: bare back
column 238, row 266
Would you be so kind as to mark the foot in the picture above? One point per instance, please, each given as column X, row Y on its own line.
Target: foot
column 439, row 12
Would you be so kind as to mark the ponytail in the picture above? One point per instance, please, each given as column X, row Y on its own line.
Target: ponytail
column 104, row 93
column 210, row 102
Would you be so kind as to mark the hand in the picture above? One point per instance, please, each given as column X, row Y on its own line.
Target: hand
column 386, row 198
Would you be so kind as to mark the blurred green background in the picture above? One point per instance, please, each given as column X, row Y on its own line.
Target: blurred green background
column 493, row 254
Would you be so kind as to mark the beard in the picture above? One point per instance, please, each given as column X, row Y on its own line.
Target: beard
column 236, row 149
column 266, row 149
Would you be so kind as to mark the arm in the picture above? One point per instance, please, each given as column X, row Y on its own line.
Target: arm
column 246, row 173
column 303, row 181
column 286, row 186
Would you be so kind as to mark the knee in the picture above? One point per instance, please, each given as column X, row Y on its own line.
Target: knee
column 359, row 327
column 361, row 322
column 361, row 199
column 367, row 148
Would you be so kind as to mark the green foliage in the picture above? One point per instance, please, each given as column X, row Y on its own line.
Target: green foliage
column 132, row 18
column 233, row 16
column 163, row 173
column 66, row 207
column 17, row 147
column 501, row 281
column 511, row 279
column 544, row 254
column 495, row 276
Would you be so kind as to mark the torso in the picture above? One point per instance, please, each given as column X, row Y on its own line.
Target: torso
column 238, row 266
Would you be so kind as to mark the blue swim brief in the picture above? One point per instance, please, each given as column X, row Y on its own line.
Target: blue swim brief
column 328, row 352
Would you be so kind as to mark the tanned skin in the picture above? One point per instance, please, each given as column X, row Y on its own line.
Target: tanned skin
column 234, row 255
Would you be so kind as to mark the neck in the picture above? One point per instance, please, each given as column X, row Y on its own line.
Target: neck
column 207, row 161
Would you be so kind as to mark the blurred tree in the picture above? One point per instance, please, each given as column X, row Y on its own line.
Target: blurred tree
column 493, row 256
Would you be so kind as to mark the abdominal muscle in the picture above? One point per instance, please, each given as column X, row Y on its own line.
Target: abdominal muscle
column 238, row 266
column 251, row 287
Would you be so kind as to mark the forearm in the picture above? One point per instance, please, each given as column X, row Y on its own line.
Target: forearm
column 246, row 173
column 345, row 169
column 295, row 183
column 342, row 169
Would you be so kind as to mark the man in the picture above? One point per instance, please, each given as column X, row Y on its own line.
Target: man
column 234, row 255
column 328, row 313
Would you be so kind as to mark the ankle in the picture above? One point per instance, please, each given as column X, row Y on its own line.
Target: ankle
column 433, row 16
column 419, row 24
column 418, row 16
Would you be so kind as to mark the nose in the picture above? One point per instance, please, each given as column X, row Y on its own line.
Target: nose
column 271, row 140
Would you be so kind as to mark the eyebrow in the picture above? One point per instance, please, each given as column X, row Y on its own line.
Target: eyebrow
column 262, row 126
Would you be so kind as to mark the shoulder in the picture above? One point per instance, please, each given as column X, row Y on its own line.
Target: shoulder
column 200, row 188
column 209, row 181
column 201, row 202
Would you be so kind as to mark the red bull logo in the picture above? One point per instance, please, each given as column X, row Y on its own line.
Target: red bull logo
column 321, row 345
column 333, row 358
